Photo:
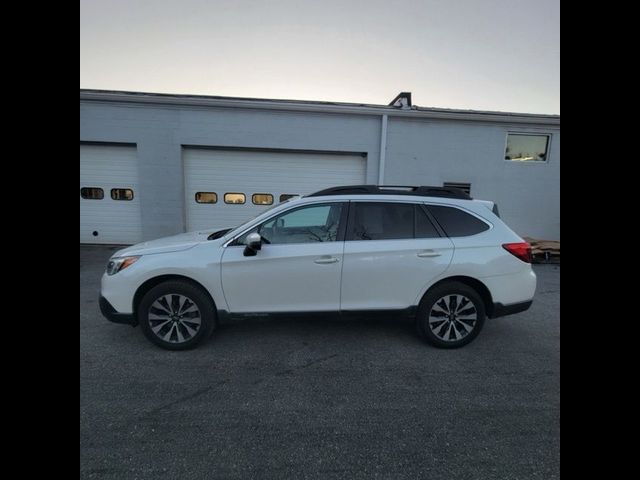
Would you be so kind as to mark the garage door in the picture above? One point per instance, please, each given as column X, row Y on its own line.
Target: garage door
column 109, row 201
column 225, row 188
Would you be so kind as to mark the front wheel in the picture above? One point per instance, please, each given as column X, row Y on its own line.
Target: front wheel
column 450, row 315
column 176, row 315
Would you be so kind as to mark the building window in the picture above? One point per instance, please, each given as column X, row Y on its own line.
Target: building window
column 524, row 147
column 234, row 198
column 121, row 194
column 287, row 196
column 206, row 197
column 262, row 199
column 92, row 193
column 462, row 186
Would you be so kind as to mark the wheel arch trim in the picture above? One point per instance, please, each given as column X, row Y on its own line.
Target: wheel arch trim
column 157, row 280
column 474, row 283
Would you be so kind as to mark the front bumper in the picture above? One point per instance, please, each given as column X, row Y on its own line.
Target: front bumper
column 110, row 313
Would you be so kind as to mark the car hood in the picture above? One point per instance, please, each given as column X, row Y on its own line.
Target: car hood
column 175, row 243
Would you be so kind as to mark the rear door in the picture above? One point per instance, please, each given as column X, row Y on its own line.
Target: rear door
column 392, row 250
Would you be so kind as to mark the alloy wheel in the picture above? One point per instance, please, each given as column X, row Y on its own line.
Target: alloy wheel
column 452, row 317
column 174, row 318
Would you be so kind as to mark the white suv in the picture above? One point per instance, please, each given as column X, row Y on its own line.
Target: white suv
column 430, row 253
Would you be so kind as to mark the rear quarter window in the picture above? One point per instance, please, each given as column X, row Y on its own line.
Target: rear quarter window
column 457, row 223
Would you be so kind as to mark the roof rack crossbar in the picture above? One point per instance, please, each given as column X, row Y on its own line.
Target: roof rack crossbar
column 423, row 191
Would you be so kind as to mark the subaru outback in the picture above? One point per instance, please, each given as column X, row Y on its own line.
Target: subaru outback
column 433, row 254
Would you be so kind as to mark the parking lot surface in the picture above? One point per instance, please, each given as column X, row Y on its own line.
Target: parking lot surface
column 275, row 399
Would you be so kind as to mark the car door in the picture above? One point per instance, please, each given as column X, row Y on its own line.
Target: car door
column 298, row 267
column 392, row 250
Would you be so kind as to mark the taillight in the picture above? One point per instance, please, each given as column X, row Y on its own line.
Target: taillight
column 522, row 250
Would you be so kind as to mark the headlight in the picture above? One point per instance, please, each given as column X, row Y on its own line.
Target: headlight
column 120, row 263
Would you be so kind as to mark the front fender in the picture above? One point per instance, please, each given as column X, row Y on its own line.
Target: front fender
column 200, row 264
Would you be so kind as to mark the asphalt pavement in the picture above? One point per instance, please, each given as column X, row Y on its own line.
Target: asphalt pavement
column 321, row 399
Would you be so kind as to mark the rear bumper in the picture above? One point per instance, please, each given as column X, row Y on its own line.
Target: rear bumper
column 500, row 310
column 110, row 313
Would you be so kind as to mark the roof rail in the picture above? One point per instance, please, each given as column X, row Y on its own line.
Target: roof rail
column 423, row 191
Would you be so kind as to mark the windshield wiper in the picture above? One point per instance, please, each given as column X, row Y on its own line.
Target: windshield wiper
column 218, row 234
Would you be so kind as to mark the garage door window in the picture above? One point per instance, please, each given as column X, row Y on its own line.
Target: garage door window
column 206, row 197
column 287, row 196
column 234, row 198
column 92, row 193
column 262, row 199
column 121, row 194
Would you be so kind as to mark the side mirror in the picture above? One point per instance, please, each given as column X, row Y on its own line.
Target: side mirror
column 254, row 243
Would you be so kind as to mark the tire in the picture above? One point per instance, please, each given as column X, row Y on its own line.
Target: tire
column 176, row 315
column 456, row 330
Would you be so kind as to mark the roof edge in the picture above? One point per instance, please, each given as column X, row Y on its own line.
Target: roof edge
column 315, row 106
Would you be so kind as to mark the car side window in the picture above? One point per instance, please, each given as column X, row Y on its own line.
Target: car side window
column 381, row 221
column 308, row 224
column 455, row 222
column 424, row 227
column 389, row 221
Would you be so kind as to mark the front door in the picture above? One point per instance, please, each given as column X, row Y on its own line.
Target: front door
column 298, row 268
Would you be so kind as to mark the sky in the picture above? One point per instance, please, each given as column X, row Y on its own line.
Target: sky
column 501, row 55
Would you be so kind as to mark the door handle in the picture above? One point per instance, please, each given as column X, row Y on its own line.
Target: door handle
column 429, row 253
column 325, row 260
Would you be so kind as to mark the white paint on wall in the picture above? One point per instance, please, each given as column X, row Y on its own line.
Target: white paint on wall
column 431, row 153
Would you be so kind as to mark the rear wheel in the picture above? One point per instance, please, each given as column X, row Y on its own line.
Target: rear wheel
column 176, row 315
column 450, row 315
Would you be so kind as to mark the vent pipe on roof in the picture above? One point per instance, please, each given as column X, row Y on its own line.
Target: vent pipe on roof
column 402, row 100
